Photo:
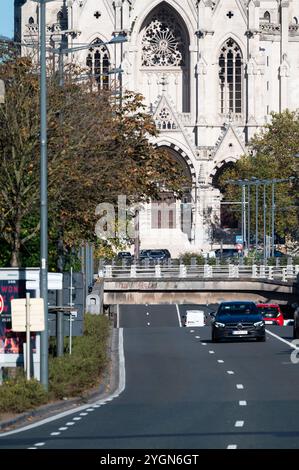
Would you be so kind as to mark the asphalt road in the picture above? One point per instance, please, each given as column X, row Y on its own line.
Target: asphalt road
column 183, row 392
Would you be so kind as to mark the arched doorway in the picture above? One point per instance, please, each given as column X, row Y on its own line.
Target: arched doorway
column 164, row 57
column 168, row 212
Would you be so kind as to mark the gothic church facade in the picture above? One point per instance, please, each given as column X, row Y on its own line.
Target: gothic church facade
column 211, row 72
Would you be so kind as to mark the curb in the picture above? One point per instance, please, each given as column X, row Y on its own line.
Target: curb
column 106, row 388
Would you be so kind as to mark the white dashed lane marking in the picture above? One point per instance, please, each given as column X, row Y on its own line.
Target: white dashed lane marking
column 31, row 448
column 230, row 372
column 77, row 418
column 220, row 361
column 239, row 424
column 83, row 414
column 232, row 446
column 62, row 429
column 243, row 403
column 211, row 352
column 90, row 409
column 55, row 433
column 197, row 337
column 39, row 444
column 204, row 344
column 240, row 386
column 70, row 423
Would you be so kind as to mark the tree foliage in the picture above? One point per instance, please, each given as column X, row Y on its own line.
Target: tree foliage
column 272, row 156
column 96, row 151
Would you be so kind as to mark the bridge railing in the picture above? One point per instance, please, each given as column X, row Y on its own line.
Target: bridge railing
column 281, row 273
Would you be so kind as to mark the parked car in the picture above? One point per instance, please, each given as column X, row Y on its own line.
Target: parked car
column 271, row 313
column 226, row 253
column 238, row 320
column 124, row 255
column 296, row 323
column 153, row 255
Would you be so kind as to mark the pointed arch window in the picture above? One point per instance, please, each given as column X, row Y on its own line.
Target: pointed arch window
column 231, row 78
column 98, row 62
column 267, row 17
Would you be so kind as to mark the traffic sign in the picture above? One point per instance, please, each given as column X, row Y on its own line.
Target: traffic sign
column 1, row 304
column 18, row 315
column 239, row 246
column 239, row 239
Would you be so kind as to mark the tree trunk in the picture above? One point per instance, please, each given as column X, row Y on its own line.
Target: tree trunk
column 15, row 260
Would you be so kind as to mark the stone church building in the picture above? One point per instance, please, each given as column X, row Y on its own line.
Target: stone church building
column 211, row 72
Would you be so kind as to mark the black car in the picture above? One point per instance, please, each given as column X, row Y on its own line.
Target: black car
column 238, row 320
column 296, row 323
column 124, row 255
column 153, row 255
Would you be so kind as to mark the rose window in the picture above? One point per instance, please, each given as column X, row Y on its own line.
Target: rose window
column 162, row 44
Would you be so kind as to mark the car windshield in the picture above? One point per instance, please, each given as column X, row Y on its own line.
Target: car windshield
column 268, row 310
column 237, row 309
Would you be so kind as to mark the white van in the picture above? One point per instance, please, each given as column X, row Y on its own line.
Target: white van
column 195, row 318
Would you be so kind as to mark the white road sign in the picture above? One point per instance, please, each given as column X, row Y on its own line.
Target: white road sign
column 18, row 315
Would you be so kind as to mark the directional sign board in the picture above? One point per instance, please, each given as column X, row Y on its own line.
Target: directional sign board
column 18, row 315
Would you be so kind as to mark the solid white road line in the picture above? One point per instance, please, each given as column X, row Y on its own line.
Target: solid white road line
column 232, row 446
column 117, row 316
column 239, row 424
column 282, row 340
column 120, row 389
column 179, row 316
column 240, row 386
column 243, row 403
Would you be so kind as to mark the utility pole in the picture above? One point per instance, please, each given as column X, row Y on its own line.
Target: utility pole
column 43, row 194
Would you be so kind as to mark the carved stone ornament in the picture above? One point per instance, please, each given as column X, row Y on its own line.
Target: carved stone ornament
column 162, row 43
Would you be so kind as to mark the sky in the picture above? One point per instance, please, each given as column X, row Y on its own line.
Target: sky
column 6, row 18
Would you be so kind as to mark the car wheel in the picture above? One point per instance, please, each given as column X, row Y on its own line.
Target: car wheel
column 214, row 339
column 295, row 332
column 261, row 339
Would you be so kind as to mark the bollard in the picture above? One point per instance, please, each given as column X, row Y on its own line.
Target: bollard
column 108, row 271
column 254, row 271
column 157, row 270
column 207, row 270
column 262, row 271
column 133, row 271
column 183, row 270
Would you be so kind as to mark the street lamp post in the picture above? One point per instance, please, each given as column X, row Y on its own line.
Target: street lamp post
column 43, row 194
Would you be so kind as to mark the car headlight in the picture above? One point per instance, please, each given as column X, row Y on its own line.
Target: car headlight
column 259, row 324
column 219, row 325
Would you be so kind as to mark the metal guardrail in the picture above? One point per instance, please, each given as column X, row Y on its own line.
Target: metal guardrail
column 279, row 273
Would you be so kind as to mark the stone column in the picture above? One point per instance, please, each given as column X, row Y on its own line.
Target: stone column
column 284, row 66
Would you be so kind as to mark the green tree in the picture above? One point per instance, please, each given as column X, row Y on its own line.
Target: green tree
column 96, row 151
column 271, row 155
